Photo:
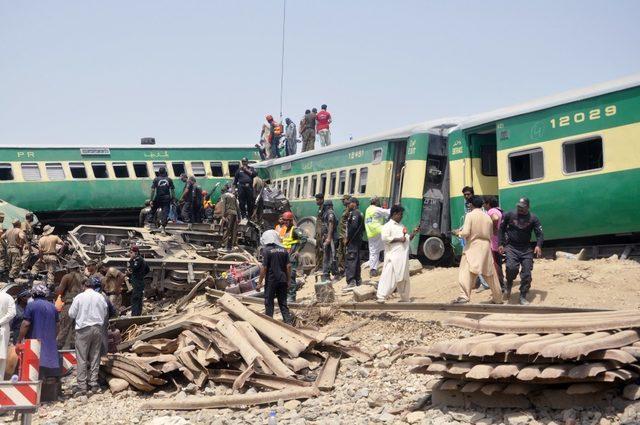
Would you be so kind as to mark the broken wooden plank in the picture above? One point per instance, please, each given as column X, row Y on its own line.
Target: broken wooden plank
column 185, row 300
column 227, row 401
column 269, row 382
column 270, row 358
column 327, row 375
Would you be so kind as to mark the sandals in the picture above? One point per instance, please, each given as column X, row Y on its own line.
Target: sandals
column 460, row 300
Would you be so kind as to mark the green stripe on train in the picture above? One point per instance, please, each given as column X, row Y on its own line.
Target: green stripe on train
column 132, row 154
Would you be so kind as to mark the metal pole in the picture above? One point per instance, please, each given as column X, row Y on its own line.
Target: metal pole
column 284, row 18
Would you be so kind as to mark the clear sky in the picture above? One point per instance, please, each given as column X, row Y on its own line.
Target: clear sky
column 85, row 72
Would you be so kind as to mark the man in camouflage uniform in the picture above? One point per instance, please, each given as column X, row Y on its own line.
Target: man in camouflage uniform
column 27, row 228
column 71, row 285
column 342, row 233
column 48, row 252
column 15, row 238
column 319, row 248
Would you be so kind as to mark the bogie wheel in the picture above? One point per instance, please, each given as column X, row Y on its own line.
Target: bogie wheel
column 435, row 251
column 308, row 226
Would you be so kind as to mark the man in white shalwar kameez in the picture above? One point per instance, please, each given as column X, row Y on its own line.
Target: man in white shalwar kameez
column 7, row 313
column 477, row 259
column 395, row 269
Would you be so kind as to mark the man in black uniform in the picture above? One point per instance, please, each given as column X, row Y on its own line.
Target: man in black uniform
column 162, row 192
column 243, row 181
column 355, row 226
column 342, row 234
column 515, row 237
column 136, row 271
column 319, row 248
column 329, row 237
column 276, row 268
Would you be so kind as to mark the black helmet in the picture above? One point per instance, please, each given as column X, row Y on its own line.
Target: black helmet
column 244, row 159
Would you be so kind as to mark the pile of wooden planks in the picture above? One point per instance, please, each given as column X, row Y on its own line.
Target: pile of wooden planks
column 558, row 367
column 229, row 344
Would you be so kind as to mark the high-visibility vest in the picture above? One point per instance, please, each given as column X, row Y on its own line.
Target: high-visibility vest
column 372, row 224
column 281, row 229
column 287, row 240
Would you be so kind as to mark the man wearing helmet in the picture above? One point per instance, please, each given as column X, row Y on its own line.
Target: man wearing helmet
column 243, row 181
column 293, row 241
column 162, row 192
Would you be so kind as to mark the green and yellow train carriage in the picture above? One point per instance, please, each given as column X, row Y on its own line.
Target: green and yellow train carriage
column 109, row 185
column 575, row 155
column 406, row 165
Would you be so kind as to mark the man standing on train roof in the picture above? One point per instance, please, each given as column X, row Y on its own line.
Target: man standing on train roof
column 293, row 241
column 318, row 236
column 71, row 285
column 276, row 270
column 342, row 234
column 275, row 132
column 137, row 270
column 374, row 218
column 329, row 239
column 48, row 251
column 162, row 192
column 355, row 227
column 230, row 212
column 476, row 257
column 16, row 239
column 515, row 237
column 291, row 136
column 323, row 119
column 308, row 131
column 395, row 270
column 243, row 182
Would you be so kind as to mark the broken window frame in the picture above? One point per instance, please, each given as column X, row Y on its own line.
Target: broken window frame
column 530, row 152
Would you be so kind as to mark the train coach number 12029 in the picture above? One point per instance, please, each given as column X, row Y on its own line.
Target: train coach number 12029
column 578, row 117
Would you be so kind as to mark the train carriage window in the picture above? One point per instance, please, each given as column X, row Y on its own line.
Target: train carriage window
column 364, row 175
column 31, row 172
column 198, row 169
column 233, row 167
column 332, row 184
column 100, row 170
column 55, row 171
column 78, row 171
column 291, row 188
column 140, row 169
column 526, row 165
column 305, row 186
column 352, row 181
column 489, row 160
column 298, row 187
column 157, row 165
column 6, row 173
column 583, row 155
column 377, row 156
column 216, row 169
column 279, row 185
column 285, row 188
column 120, row 170
column 323, row 184
column 178, row 168
column 342, row 182
column 314, row 184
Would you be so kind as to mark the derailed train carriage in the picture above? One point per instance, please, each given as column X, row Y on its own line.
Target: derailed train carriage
column 576, row 155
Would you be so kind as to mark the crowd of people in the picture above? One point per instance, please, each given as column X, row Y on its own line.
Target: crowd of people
column 491, row 237
column 281, row 139
column 195, row 205
column 74, row 315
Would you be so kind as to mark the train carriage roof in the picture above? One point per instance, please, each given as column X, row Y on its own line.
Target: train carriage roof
column 550, row 101
column 436, row 127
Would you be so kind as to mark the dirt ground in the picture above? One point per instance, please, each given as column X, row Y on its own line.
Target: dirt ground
column 604, row 283
column 380, row 391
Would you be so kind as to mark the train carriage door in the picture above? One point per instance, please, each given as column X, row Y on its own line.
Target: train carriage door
column 484, row 161
column 399, row 160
